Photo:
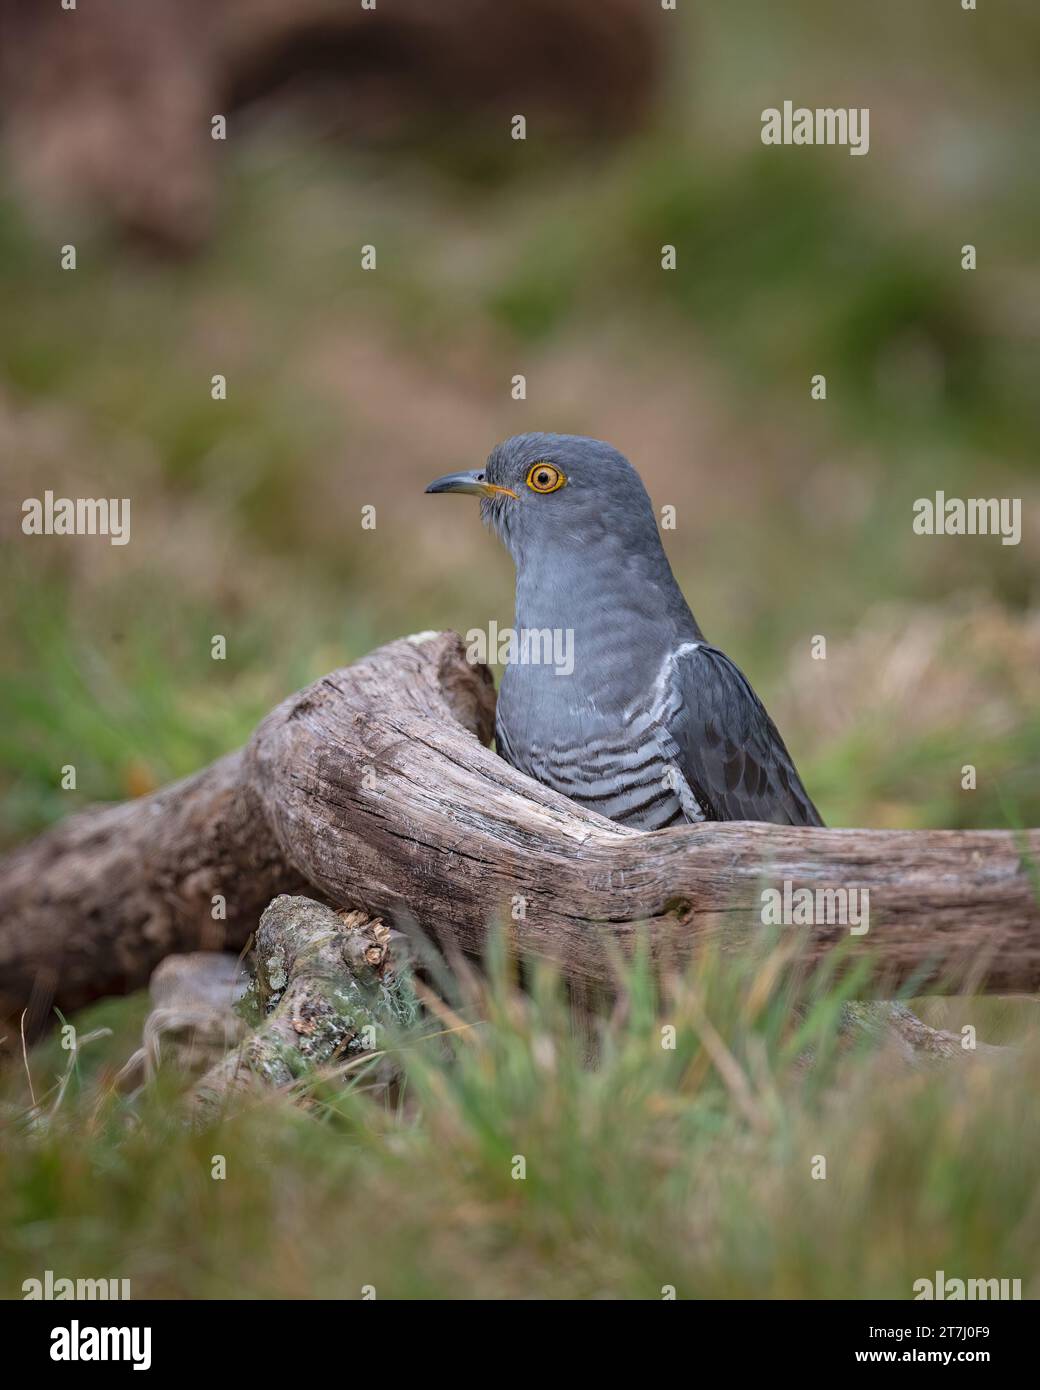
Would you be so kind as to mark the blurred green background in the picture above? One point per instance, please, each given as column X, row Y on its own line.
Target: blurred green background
column 348, row 389
column 495, row 257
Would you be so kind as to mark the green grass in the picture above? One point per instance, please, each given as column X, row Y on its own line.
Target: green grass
column 138, row 703
column 644, row 1165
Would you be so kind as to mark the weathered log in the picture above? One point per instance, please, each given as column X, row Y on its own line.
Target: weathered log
column 327, row 986
column 373, row 789
column 193, row 1020
column 909, row 1037
column 92, row 906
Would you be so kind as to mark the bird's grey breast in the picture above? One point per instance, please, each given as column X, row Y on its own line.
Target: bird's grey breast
column 598, row 736
column 597, row 730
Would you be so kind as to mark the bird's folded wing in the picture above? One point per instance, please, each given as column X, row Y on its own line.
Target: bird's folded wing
column 729, row 749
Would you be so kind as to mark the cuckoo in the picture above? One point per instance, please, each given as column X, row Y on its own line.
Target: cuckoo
column 648, row 724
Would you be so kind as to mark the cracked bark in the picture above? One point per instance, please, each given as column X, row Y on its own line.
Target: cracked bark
column 372, row 790
column 328, row 987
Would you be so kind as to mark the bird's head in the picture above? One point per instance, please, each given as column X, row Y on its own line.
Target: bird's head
column 541, row 492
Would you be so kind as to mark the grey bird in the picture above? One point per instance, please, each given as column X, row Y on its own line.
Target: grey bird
column 653, row 726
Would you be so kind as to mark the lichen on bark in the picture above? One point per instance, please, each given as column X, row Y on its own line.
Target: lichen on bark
column 327, row 984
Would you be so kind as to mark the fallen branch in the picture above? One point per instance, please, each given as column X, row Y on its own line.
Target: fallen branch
column 372, row 790
column 92, row 906
column 326, row 987
column 193, row 1020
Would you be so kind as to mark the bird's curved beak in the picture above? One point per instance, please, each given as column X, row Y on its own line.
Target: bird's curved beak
column 469, row 482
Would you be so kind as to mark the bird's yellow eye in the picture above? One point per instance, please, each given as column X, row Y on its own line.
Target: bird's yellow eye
column 543, row 477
